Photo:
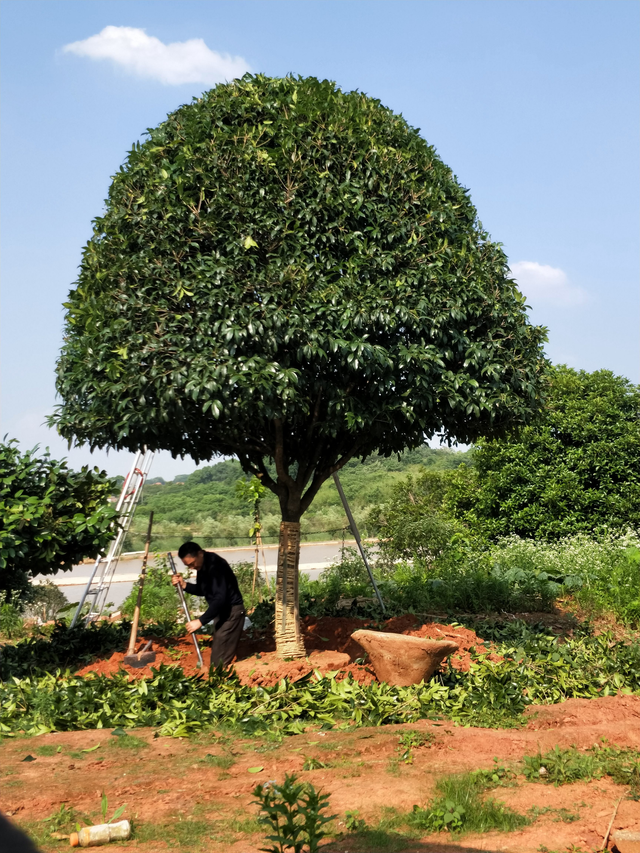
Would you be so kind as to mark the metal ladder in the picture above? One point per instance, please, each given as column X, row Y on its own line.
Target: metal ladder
column 98, row 589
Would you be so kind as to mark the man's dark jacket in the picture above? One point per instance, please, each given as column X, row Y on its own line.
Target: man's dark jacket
column 217, row 583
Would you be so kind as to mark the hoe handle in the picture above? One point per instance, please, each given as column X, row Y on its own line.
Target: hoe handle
column 185, row 608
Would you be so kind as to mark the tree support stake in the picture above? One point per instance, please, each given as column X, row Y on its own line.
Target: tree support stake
column 356, row 535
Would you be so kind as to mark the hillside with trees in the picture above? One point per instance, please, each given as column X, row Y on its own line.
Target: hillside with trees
column 206, row 503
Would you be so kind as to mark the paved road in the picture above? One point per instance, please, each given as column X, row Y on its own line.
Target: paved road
column 314, row 557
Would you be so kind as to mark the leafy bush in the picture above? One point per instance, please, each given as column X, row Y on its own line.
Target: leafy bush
column 474, row 585
column 575, row 470
column 159, row 598
column 50, row 516
column 65, row 648
column 45, row 602
column 412, row 524
column 11, row 621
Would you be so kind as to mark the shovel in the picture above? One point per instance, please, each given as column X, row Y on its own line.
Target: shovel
column 185, row 609
column 137, row 661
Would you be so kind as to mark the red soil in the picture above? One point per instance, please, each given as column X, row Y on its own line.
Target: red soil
column 171, row 777
column 327, row 640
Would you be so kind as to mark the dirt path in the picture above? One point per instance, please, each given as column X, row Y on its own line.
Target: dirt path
column 190, row 794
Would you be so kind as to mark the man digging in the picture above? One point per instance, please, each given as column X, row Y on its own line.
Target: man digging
column 215, row 582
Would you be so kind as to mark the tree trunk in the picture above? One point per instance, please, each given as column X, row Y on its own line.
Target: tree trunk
column 288, row 638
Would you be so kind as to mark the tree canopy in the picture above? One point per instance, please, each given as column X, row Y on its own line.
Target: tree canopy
column 575, row 470
column 51, row 517
column 288, row 271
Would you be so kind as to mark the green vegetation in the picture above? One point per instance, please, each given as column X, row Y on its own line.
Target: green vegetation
column 411, row 740
column 50, row 518
column 207, row 506
column 287, row 273
column 575, row 470
column 563, row 766
column 294, row 813
column 536, row 668
column 460, row 807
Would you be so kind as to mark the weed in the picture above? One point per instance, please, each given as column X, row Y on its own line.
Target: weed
column 65, row 818
column 354, row 822
column 410, row 740
column 311, row 763
column 187, row 833
column 294, row 812
column 562, row 766
column 562, row 814
column 496, row 777
column 104, row 808
column 126, row 741
column 46, row 750
column 459, row 806
column 223, row 761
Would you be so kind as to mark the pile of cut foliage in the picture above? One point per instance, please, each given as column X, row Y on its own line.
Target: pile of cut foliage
column 536, row 668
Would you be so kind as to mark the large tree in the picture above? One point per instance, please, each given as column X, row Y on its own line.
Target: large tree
column 575, row 470
column 51, row 517
column 288, row 273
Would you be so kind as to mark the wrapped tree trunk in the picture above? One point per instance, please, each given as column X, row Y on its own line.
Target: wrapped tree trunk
column 288, row 638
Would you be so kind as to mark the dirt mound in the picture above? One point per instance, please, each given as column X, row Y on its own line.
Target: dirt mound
column 586, row 712
column 327, row 640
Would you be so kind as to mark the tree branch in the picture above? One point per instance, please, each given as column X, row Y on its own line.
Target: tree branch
column 279, row 456
column 324, row 474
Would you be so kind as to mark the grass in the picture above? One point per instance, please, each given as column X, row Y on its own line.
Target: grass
column 191, row 832
column 563, row 766
column 121, row 740
column 460, row 807
column 223, row 761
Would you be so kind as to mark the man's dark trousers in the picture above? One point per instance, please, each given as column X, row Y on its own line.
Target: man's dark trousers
column 227, row 637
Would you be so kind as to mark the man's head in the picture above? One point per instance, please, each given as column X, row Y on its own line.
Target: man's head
column 191, row 555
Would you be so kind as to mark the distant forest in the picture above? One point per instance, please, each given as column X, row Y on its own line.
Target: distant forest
column 205, row 505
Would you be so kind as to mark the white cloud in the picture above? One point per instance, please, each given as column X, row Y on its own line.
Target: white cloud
column 172, row 64
column 542, row 283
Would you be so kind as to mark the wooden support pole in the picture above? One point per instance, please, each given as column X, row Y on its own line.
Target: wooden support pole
column 143, row 572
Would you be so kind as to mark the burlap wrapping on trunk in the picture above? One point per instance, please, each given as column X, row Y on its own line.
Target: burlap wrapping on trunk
column 288, row 640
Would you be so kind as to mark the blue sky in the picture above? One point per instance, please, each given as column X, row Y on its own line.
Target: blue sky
column 534, row 105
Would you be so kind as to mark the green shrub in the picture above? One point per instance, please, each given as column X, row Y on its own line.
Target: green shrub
column 159, row 598
column 11, row 621
column 294, row 812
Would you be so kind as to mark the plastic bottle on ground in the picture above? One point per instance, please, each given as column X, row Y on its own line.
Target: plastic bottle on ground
column 102, row 833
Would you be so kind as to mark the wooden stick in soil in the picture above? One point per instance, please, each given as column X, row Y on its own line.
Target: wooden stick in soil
column 136, row 613
column 613, row 817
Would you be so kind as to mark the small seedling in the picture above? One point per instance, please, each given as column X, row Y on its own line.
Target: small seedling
column 294, row 812
column 411, row 740
column 314, row 764
column 104, row 806
column 64, row 818
column 354, row 822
